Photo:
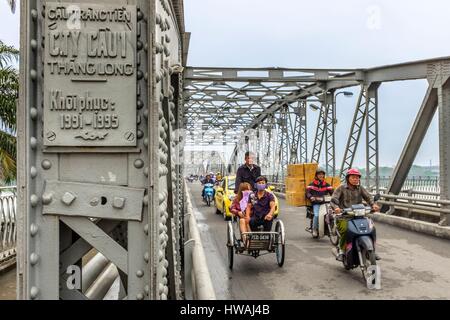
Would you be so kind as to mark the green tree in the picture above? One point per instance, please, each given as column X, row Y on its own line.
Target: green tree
column 9, row 88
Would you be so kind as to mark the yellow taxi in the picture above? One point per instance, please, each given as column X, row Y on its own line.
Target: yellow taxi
column 224, row 197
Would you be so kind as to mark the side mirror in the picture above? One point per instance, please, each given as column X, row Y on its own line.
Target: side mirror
column 220, row 189
column 377, row 197
column 271, row 188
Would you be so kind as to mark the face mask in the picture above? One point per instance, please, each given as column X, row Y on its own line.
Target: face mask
column 260, row 187
column 246, row 193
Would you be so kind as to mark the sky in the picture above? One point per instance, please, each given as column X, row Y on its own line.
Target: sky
column 321, row 34
column 331, row 34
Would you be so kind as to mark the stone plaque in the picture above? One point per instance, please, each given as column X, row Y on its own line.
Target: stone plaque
column 89, row 75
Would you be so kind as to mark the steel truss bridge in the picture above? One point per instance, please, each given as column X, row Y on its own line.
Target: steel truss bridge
column 261, row 109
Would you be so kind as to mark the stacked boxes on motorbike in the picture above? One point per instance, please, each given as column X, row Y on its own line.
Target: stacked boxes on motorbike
column 315, row 192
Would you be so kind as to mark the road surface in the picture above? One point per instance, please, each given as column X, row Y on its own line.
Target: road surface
column 413, row 265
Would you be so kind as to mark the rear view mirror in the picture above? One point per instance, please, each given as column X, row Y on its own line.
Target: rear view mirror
column 271, row 188
column 377, row 197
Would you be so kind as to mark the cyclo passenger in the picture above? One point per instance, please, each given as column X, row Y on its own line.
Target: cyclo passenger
column 316, row 192
column 261, row 206
column 345, row 196
column 239, row 206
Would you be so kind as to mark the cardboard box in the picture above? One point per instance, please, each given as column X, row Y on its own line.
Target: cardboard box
column 296, row 199
column 295, row 185
column 296, row 170
column 310, row 171
column 336, row 182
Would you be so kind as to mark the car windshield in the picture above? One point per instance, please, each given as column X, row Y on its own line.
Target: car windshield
column 231, row 184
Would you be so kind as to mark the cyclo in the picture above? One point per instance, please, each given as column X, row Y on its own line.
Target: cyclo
column 256, row 243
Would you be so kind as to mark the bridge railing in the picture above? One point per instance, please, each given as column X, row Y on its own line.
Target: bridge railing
column 419, row 194
column 8, row 226
column 198, row 284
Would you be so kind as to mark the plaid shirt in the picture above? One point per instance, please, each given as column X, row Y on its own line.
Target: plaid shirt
column 346, row 196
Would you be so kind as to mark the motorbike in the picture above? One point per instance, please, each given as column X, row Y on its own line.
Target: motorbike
column 208, row 193
column 360, row 244
column 326, row 223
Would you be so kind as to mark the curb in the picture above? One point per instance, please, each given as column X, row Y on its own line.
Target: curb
column 414, row 225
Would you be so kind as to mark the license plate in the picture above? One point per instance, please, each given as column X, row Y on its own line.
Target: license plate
column 265, row 237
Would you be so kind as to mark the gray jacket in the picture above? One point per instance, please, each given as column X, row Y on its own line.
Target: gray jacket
column 346, row 196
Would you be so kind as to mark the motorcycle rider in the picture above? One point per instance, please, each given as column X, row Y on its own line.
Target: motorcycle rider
column 208, row 179
column 316, row 192
column 345, row 196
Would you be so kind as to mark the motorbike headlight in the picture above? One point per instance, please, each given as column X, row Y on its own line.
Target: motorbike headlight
column 360, row 212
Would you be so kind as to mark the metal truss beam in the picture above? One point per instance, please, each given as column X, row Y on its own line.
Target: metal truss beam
column 414, row 141
column 330, row 128
column 320, row 132
column 372, row 158
column 355, row 133
column 444, row 140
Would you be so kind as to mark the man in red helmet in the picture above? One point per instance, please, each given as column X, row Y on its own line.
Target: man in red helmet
column 345, row 196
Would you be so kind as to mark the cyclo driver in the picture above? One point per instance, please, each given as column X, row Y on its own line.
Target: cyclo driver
column 345, row 196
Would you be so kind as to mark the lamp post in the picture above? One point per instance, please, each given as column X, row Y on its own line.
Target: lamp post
column 347, row 94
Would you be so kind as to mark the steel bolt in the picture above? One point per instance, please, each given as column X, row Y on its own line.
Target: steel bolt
column 146, row 257
column 129, row 136
column 94, row 202
column 146, row 171
column 46, row 164
column 146, row 229
column 47, row 198
column 139, row 45
column 118, row 202
column 34, row 291
column 51, row 136
column 34, row 258
column 139, row 273
column 33, row 143
column 68, row 198
column 139, row 296
column 139, row 15
column 138, row 163
column 146, row 142
column 34, row 14
column 33, row 113
column 33, row 229
column 139, row 104
column 33, row 44
column 34, row 200
column 33, row 172
column 33, row 74
column 145, row 200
